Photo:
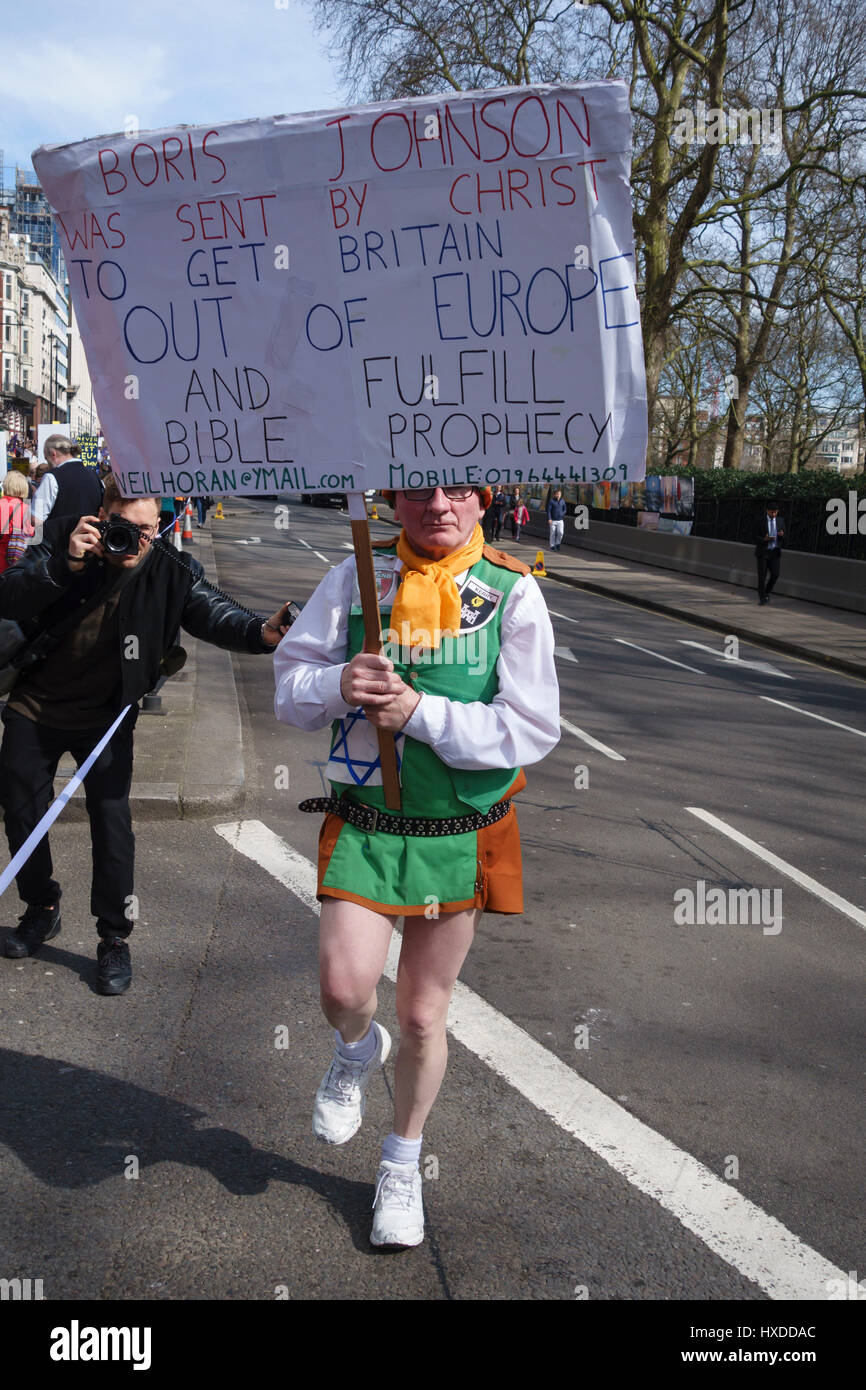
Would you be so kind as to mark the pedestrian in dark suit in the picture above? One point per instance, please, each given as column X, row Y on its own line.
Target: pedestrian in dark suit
column 769, row 537
column 497, row 513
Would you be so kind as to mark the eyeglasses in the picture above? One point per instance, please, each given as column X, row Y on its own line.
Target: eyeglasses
column 423, row 494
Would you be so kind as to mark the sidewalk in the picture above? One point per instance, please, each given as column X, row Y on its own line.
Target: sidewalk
column 830, row 636
column 189, row 755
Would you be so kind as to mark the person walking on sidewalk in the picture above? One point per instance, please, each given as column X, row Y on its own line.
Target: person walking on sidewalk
column 453, row 851
column 130, row 605
column 769, row 536
column 556, row 513
column 519, row 517
column 514, row 501
column 497, row 513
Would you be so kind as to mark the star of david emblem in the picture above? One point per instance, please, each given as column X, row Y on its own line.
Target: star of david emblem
column 356, row 766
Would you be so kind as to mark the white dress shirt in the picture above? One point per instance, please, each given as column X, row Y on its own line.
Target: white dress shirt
column 519, row 726
column 46, row 494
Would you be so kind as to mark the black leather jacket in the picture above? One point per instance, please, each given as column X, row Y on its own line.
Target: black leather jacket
column 160, row 596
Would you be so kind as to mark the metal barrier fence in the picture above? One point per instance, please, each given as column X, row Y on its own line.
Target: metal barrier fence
column 738, row 518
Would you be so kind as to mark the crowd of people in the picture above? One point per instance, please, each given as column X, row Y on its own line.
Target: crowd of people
column 512, row 508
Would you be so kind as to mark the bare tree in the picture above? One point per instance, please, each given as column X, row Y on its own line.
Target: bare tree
column 799, row 58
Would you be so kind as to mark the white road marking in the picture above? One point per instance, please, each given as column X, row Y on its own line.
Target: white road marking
column 251, row 540
column 741, row 1233
column 303, row 542
column 564, row 616
column 797, row 710
column 593, row 742
column 659, row 656
column 763, row 666
column 566, row 654
column 323, row 557
column 812, row 885
column 347, row 545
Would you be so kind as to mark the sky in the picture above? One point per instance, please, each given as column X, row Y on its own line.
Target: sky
column 89, row 65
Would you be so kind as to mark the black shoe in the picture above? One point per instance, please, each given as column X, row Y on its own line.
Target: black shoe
column 38, row 925
column 115, row 967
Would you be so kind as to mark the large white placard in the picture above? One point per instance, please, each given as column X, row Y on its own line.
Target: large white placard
column 397, row 295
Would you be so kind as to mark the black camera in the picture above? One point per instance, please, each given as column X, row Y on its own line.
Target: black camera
column 119, row 536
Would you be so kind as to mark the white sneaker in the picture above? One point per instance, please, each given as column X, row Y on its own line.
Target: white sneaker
column 342, row 1097
column 398, row 1208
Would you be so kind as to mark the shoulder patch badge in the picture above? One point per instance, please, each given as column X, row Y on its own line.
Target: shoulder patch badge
column 478, row 604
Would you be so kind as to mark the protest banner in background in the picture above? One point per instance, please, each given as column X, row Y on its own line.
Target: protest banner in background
column 403, row 294
column 89, row 447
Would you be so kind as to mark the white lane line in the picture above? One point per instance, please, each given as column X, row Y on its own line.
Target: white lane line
column 303, row 542
column 797, row 710
column 256, row 841
column 347, row 545
column 810, row 884
column 593, row 742
column 566, row 654
column 659, row 656
column 764, row 666
column 564, row 616
column 741, row 1233
column 323, row 557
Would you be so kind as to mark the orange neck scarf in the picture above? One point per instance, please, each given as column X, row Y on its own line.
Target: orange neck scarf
column 427, row 600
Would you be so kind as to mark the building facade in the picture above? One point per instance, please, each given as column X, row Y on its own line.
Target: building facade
column 841, row 448
column 44, row 377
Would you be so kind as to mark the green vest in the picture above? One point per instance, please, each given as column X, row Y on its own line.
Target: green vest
column 463, row 668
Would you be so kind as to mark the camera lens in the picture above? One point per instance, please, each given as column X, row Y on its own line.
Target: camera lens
column 120, row 537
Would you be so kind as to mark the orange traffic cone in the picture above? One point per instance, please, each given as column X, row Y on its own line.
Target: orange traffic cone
column 176, row 539
column 187, row 524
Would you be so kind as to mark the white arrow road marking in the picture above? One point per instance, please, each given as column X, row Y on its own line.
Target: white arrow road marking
column 564, row 616
column 741, row 1233
column 764, row 666
column 252, row 540
column 566, row 653
column 797, row 710
column 810, row 884
column 593, row 742
column 659, row 656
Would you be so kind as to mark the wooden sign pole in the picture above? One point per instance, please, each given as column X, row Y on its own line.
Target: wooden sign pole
column 372, row 634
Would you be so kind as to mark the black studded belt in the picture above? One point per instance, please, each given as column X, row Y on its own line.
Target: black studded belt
column 369, row 819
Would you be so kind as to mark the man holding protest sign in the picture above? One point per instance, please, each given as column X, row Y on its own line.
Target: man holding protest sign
column 467, row 685
column 100, row 604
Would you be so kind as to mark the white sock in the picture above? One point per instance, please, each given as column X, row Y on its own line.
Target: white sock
column 358, row 1051
column 396, row 1149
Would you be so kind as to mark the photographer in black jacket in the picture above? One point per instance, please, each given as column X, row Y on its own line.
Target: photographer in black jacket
column 132, row 605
